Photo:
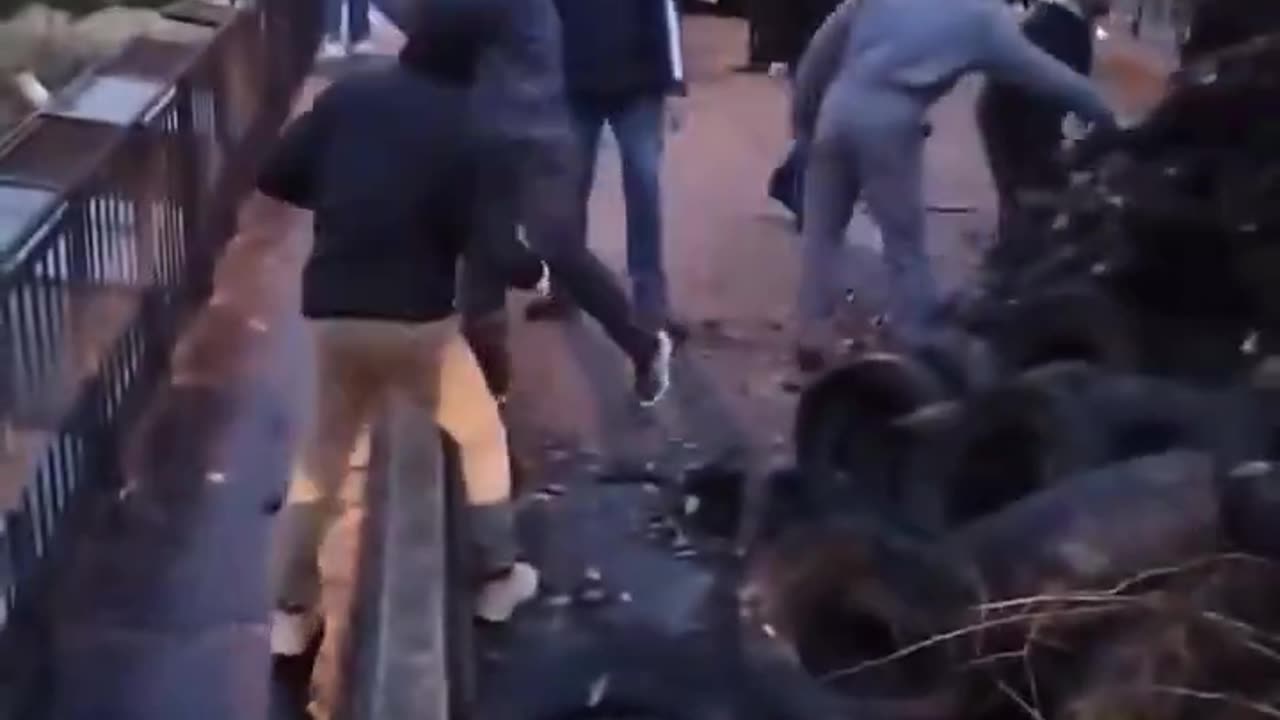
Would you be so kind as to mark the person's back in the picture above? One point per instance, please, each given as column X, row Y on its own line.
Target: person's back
column 391, row 197
column 909, row 53
column 917, row 45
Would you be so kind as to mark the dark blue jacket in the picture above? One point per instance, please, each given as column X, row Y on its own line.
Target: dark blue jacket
column 621, row 47
column 385, row 159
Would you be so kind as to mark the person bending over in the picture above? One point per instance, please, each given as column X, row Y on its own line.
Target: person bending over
column 880, row 67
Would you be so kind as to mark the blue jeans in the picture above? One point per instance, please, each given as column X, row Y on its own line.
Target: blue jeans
column 357, row 19
column 637, row 123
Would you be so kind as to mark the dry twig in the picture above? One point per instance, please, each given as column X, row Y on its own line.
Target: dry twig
column 1225, row 698
column 959, row 633
column 1018, row 700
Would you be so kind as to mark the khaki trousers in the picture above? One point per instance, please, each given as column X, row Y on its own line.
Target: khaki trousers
column 359, row 363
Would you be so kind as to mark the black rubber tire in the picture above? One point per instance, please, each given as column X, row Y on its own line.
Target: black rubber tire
column 964, row 363
column 1142, row 415
column 838, row 592
column 845, row 440
column 1071, row 324
column 1001, row 447
column 1254, row 430
column 1251, row 476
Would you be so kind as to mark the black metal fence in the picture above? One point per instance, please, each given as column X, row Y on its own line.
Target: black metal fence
column 114, row 202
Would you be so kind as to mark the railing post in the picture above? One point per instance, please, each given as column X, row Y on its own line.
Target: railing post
column 120, row 203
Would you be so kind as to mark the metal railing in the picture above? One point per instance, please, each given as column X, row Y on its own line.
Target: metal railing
column 114, row 203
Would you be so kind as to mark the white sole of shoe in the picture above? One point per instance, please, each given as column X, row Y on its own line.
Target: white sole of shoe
column 292, row 633
column 666, row 349
column 498, row 600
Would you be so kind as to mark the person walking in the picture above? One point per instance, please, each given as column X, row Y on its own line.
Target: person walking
column 531, row 176
column 1022, row 132
column 385, row 159
column 622, row 59
column 881, row 66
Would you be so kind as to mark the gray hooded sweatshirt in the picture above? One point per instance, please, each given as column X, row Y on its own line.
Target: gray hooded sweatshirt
column 912, row 52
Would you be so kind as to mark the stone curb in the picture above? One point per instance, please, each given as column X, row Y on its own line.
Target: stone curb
column 401, row 633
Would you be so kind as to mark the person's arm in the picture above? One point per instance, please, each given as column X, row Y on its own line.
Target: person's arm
column 675, row 46
column 1010, row 57
column 818, row 67
column 290, row 172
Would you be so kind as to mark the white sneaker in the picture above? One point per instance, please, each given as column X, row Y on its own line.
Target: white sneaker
column 653, row 379
column 293, row 632
column 498, row 599
column 364, row 47
column 332, row 50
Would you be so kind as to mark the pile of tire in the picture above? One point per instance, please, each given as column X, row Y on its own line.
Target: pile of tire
column 964, row 475
column 1165, row 241
column 1101, row 428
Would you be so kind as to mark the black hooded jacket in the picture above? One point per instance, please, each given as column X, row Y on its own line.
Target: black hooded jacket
column 621, row 47
column 385, row 158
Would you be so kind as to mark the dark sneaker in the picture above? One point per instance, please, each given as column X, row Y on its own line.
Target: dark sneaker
column 550, row 310
column 653, row 377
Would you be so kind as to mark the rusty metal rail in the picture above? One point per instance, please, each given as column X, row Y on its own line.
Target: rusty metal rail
column 114, row 203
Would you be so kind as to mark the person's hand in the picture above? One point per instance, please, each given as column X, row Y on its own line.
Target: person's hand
column 1100, row 140
column 676, row 113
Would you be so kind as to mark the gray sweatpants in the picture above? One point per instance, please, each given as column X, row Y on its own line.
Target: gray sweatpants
column 868, row 142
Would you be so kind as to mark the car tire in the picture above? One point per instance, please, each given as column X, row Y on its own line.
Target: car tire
column 1073, row 324
column 847, row 446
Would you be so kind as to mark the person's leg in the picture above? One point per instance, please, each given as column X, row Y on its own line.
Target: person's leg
column 347, row 393
column 588, row 119
column 446, row 379
column 357, row 22
column 332, row 44
column 830, row 196
column 891, row 161
column 483, row 288
column 549, row 175
column 487, row 335
column 638, row 126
